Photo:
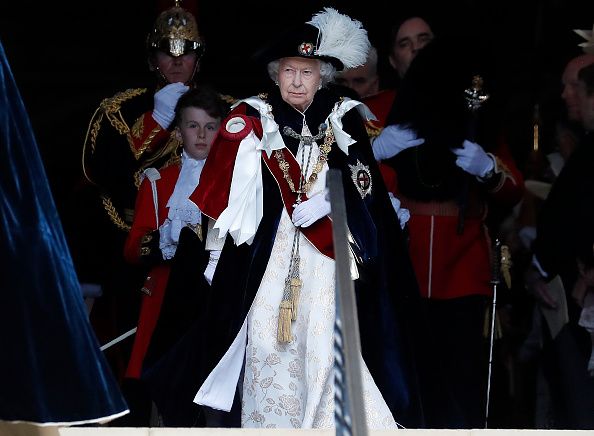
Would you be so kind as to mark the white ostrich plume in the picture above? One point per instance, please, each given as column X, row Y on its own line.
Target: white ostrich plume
column 588, row 35
column 342, row 37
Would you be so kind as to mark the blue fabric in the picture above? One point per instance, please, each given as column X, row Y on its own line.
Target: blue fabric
column 51, row 368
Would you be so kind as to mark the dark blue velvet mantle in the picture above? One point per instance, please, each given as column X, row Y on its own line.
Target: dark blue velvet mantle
column 51, row 368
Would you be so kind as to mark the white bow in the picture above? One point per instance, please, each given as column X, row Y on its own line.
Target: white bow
column 271, row 137
column 243, row 213
column 343, row 139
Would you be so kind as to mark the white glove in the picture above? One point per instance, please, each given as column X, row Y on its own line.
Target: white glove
column 473, row 159
column 527, row 235
column 403, row 214
column 212, row 265
column 165, row 100
column 311, row 210
column 392, row 140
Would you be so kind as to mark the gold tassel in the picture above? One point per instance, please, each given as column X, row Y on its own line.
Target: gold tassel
column 287, row 312
column 295, row 293
column 506, row 264
column 498, row 330
column 283, row 334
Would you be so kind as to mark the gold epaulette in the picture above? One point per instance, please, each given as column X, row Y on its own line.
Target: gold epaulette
column 171, row 147
column 110, row 107
column 113, row 104
column 372, row 131
column 229, row 99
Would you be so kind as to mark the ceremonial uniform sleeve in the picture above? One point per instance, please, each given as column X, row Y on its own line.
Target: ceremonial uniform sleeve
column 144, row 222
column 147, row 136
column 122, row 139
column 506, row 187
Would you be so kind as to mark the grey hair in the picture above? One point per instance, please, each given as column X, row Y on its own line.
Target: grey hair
column 327, row 71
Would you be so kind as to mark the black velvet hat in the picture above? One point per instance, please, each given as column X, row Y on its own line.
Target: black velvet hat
column 329, row 36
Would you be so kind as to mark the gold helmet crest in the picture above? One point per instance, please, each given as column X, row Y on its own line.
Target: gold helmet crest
column 175, row 32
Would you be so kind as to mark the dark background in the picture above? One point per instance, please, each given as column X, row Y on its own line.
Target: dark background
column 67, row 57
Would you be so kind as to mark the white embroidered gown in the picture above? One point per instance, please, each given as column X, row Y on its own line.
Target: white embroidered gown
column 292, row 385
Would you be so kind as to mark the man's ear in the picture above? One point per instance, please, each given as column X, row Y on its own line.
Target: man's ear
column 152, row 62
column 393, row 62
column 177, row 134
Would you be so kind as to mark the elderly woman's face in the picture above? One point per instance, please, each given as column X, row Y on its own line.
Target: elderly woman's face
column 299, row 79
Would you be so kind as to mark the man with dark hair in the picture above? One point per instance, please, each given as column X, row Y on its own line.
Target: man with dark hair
column 410, row 36
column 407, row 37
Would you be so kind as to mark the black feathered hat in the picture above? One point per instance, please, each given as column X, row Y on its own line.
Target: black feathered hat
column 329, row 36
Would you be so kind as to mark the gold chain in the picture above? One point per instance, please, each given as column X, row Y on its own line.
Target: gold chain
column 324, row 150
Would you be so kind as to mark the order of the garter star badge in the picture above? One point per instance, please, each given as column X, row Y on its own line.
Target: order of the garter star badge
column 361, row 177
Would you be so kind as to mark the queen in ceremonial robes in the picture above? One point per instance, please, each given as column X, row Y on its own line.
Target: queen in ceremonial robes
column 266, row 339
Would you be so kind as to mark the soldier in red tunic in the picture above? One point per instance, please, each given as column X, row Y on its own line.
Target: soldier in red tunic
column 451, row 171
